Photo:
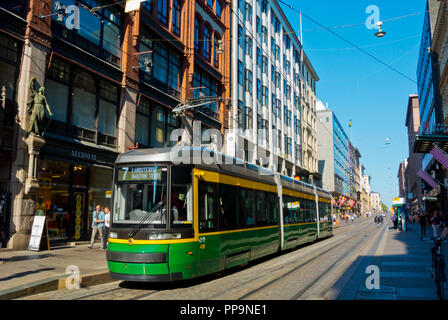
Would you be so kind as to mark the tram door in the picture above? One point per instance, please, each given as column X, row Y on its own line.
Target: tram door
column 209, row 245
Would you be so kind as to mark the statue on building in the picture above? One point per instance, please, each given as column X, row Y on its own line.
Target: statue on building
column 36, row 107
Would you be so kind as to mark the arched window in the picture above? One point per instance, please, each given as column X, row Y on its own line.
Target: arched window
column 84, row 101
column 207, row 42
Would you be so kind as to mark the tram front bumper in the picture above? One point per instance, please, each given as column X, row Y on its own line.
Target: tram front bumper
column 155, row 263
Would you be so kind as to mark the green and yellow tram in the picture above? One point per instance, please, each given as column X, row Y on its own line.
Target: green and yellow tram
column 221, row 214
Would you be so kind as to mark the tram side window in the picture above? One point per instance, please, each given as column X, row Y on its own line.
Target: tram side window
column 247, row 205
column 273, row 208
column 304, row 211
column 291, row 210
column 324, row 211
column 228, row 207
column 207, row 215
column 313, row 211
column 261, row 208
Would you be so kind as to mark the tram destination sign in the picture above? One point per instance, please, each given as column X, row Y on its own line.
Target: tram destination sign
column 139, row 174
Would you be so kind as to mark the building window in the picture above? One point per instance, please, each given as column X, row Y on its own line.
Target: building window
column 142, row 123
column 248, row 118
column 163, row 11
column 197, row 34
column 248, row 45
column 215, row 51
column 264, row 64
column 83, row 114
column 240, row 36
column 92, row 100
column 265, row 96
column 219, row 9
column 212, row 89
column 158, row 125
column 240, row 72
column 207, row 43
column 248, row 12
column 176, row 17
column 264, row 6
column 248, row 82
column 166, row 62
column 264, row 34
column 100, row 34
column 147, row 5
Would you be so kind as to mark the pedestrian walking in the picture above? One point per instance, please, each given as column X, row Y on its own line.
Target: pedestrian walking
column 395, row 220
column 422, row 218
column 106, row 227
column 97, row 225
column 436, row 222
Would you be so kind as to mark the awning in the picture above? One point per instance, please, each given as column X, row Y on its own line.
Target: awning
column 424, row 143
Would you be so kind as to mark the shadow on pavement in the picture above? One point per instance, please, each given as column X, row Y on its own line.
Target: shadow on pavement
column 404, row 270
column 23, row 274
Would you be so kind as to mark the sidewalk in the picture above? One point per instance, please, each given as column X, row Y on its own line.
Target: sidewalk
column 29, row 272
column 404, row 263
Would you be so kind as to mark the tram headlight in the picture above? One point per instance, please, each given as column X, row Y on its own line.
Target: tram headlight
column 113, row 235
column 164, row 236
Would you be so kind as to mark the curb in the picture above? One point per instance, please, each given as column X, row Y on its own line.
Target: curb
column 53, row 284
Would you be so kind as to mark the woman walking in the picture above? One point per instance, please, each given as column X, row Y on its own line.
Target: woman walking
column 436, row 222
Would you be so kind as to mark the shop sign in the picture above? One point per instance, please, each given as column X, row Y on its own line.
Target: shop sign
column 108, row 194
column 139, row 174
column 397, row 200
column 83, row 155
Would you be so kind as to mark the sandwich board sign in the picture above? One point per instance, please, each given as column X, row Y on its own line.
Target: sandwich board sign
column 39, row 224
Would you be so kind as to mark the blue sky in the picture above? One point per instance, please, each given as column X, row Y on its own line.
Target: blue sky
column 357, row 87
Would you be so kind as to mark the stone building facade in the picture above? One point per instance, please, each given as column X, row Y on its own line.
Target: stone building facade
column 111, row 84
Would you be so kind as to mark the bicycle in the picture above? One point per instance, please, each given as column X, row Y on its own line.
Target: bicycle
column 438, row 267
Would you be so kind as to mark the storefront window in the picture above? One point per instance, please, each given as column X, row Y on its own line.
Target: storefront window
column 100, row 189
column 68, row 193
column 54, row 197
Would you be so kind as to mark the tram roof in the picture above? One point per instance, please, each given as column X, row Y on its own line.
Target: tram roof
column 227, row 164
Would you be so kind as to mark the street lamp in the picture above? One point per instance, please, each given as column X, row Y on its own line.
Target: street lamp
column 380, row 33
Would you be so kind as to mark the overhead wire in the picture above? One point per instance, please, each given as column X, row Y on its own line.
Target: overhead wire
column 349, row 42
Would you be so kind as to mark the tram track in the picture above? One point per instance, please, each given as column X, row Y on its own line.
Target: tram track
column 234, row 284
column 320, row 254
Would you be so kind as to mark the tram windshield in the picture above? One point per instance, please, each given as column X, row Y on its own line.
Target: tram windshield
column 141, row 194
